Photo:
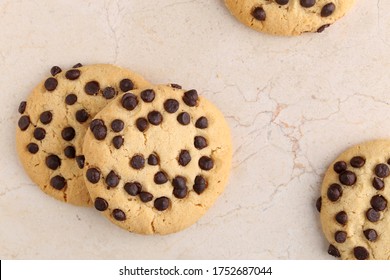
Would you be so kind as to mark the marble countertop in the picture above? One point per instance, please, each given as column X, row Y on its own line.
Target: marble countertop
column 293, row 104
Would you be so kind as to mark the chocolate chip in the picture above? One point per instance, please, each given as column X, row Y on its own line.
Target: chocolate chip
column 153, row 159
column 328, row 9
column 53, row 162
column 24, row 122
column 142, row 124
column 126, row 85
column 148, row 95
column 71, row 99
column 129, row 101
column 93, row 175
column 357, row 162
column 117, row 125
column 133, row 188
column 51, row 84
column 378, row 183
column 94, row 123
column 184, row 118
column 70, row 152
column 145, row 196
column 161, row 203
column 342, row 218
column 33, row 148
column 202, row 123
column 179, row 182
column 99, row 131
column 200, row 142
column 382, row 170
column 72, row 74
column 155, row 118
column 259, row 13
column 137, row 162
column 160, row 178
column 171, row 105
column 307, row 3
column 112, row 179
column 109, row 93
column 372, row 215
column 206, row 163
column 180, row 192
column 101, row 204
column 117, row 141
column 80, row 160
column 334, row 192
column 46, row 117
column 322, row 28
column 333, row 251
column 119, row 215
column 82, row 116
column 190, row 98
column 370, row 234
column 39, row 133
column 360, row 253
column 388, row 161
column 55, row 70
column 282, row 2
column 184, row 157
column 200, row 184
column 340, row 167
column 77, row 65
column 347, row 178
column 58, row 182
column 176, row 86
column 92, row 88
column 68, row 133
column 378, row 202
column 319, row 204
column 340, row 236
column 22, row 107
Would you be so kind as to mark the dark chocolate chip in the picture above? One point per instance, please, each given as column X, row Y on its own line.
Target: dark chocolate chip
column 68, row 133
column 119, row 215
column 160, row 178
column 137, row 162
column 179, row 182
column 109, row 93
column 95, row 122
column 370, row 234
column 55, row 70
column 184, row 157
column 117, row 141
column 184, row 118
column 372, row 215
column 145, row 196
column 282, row 2
column 378, row 202
column 24, row 122
column 22, row 107
column 378, row 183
column 142, row 124
column 92, row 88
column 161, row 203
column 80, row 161
column 133, row 188
column 155, row 118
column 148, row 95
column 319, row 204
column 307, row 3
column 340, row 167
column 39, row 133
column 72, row 74
column 259, row 13
column 200, row 184
column 99, row 131
column 342, row 218
column 82, row 116
column 200, row 142
column 202, row 123
column 360, row 253
column 333, row 251
column 93, row 175
column 58, row 182
column 101, row 204
column 334, row 192
column 347, row 178
column 70, row 152
column 117, row 125
column 206, row 163
column 176, row 86
column 180, row 192
column 112, row 179
column 322, row 28
column 171, row 105
column 53, row 162
column 126, row 85
column 77, row 65
column 46, row 117
column 328, row 9
column 153, row 159
column 71, row 99
column 382, row 170
column 191, row 97
column 340, row 236
column 33, row 148
column 388, row 161
column 357, row 161
column 51, row 84
column 129, row 101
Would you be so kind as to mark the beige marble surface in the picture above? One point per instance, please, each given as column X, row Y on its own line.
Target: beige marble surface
column 293, row 105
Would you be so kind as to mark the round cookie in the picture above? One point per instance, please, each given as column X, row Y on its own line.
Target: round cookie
column 157, row 159
column 288, row 17
column 54, row 120
column 353, row 203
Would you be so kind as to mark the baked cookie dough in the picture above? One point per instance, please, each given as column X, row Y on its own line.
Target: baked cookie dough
column 353, row 203
column 288, row 17
column 157, row 159
column 54, row 119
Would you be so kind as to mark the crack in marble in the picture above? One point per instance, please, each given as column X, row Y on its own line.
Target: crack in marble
column 112, row 26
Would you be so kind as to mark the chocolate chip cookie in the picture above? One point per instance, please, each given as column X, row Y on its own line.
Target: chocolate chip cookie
column 288, row 17
column 157, row 159
column 54, row 120
column 353, row 202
